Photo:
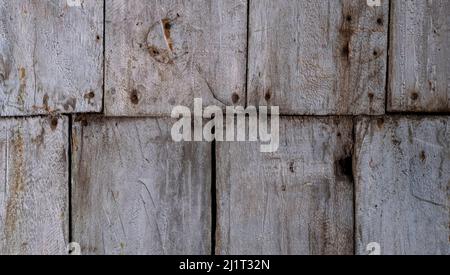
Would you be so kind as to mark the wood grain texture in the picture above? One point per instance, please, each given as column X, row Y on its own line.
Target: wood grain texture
column 318, row 57
column 402, row 184
column 160, row 54
column 51, row 57
column 135, row 191
column 34, row 193
column 298, row 200
column 420, row 56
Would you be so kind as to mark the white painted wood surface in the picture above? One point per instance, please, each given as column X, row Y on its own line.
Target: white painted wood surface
column 420, row 56
column 402, row 185
column 34, row 216
column 298, row 200
column 51, row 57
column 318, row 57
column 135, row 191
column 160, row 54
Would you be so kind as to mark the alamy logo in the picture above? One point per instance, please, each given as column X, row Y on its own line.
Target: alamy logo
column 74, row 3
column 74, row 248
column 373, row 248
column 249, row 124
column 374, row 3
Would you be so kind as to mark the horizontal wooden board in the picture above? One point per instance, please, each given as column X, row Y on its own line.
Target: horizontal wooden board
column 135, row 191
column 298, row 200
column 161, row 54
column 420, row 56
column 318, row 57
column 51, row 56
column 34, row 216
column 402, row 184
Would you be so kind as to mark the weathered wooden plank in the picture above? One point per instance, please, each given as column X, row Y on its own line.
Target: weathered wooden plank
column 135, row 191
column 34, row 215
column 402, row 184
column 161, row 54
column 298, row 200
column 420, row 56
column 51, row 56
column 318, row 57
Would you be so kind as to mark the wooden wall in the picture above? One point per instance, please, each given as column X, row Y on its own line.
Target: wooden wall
column 86, row 92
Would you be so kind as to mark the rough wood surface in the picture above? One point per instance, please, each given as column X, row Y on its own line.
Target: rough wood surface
column 51, row 57
column 135, row 191
column 420, row 56
column 34, row 215
column 402, row 184
column 160, row 54
column 296, row 201
column 318, row 57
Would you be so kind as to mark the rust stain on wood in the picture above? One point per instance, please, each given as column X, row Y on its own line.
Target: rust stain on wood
column 54, row 123
column 22, row 88
column 15, row 192
column 166, row 26
column 160, row 55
